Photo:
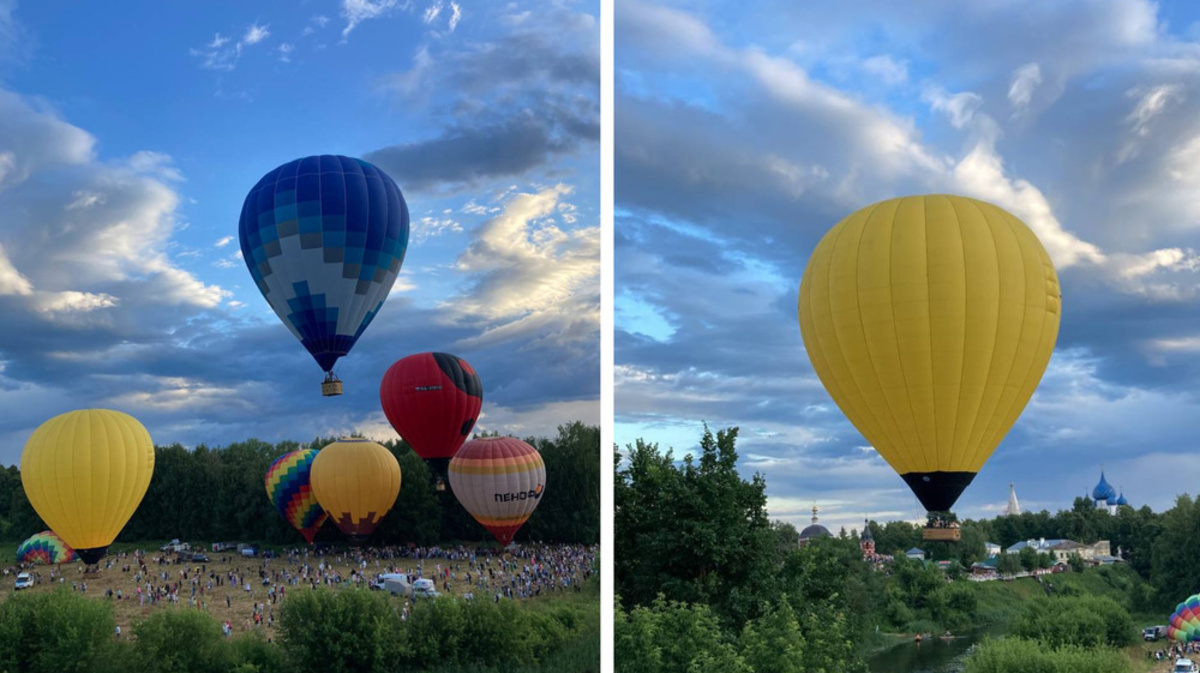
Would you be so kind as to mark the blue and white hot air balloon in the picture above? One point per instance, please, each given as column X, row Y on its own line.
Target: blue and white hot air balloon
column 324, row 238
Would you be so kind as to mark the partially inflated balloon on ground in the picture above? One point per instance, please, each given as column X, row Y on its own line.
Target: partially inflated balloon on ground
column 1184, row 624
column 85, row 473
column 289, row 487
column 500, row 481
column 356, row 481
column 433, row 401
column 45, row 547
column 324, row 238
column 930, row 320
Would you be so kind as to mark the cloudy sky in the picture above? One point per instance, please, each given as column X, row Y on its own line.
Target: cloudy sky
column 130, row 134
column 742, row 137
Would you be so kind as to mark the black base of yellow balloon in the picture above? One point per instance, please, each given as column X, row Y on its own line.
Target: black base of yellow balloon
column 92, row 556
column 938, row 491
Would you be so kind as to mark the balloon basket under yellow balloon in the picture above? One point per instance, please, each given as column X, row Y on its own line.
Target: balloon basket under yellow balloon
column 942, row 534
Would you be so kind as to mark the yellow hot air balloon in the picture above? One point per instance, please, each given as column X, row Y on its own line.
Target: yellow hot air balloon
column 85, row 473
column 930, row 320
column 356, row 481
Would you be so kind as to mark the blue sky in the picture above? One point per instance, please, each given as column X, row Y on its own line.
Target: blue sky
column 130, row 134
column 743, row 136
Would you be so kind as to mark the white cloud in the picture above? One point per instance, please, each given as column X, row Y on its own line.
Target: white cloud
column 357, row 11
column 223, row 54
column 285, row 52
column 431, row 12
column 223, row 241
column 255, row 34
column 430, row 227
column 455, row 15
column 1024, row 81
column 11, row 280
column 959, row 107
column 887, row 69
column 530, row 276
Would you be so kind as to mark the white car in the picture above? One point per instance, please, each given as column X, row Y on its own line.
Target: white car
column 24, row 581
column 1185, row 666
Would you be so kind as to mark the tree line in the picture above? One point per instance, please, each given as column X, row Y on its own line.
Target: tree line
column 218, row 494
column 704, row 577
column 1158, row 546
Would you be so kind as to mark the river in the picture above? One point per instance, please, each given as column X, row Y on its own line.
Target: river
column 930, row 656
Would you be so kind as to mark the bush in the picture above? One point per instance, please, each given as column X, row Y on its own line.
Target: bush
column 1087, row 621
column 672, row 637
column 1017, row 655
column 55, row 632
column 253, row 654
column 340, row 632
column 178, row 640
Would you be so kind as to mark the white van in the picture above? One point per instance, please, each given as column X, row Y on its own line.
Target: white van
column 397, row 584
column 24, row 581
column 1185, row 666
column 425, row 587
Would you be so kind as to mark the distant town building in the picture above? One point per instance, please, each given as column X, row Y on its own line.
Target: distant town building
column 1105, row 496
column 915, row 554
column 867, row 542
column 1014, row 508
column 1063, row 550
column 814, row 531
column 992, row 549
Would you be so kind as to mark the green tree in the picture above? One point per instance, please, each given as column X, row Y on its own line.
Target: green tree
column 55, row 631
column 176, row 640
column 695, row 532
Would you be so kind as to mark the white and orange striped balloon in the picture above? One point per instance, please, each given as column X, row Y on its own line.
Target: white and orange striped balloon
column 500, row 481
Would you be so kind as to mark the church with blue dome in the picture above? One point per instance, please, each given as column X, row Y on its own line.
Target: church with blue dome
column 1104, row 495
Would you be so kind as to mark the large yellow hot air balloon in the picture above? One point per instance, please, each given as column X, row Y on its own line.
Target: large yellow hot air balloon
column 85, row 473
column 356, row 481
column 930, row 320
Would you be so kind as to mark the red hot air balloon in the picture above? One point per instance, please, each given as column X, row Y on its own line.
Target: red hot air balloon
column 433, row 401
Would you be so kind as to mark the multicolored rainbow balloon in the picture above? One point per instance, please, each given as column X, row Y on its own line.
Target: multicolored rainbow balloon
column 1184, row 624
column 290, row 490
column 45, row 547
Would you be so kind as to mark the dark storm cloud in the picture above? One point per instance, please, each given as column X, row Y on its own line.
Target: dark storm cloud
column 510, row 148
column 515, row 104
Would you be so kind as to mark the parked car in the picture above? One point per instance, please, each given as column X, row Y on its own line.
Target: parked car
column 425, row 587
column 1153, row 633
column 199, row 558
column 24, row 581
column 249, row 551
column 176, row 546
column 1185, row 666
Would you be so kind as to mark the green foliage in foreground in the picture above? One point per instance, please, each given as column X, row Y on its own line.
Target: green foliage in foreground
column 1017, row 655
column 1087, row 621
column 673, row 637
column 325, row 631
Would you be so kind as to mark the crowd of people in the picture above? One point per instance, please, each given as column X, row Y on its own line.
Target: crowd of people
column 253, row 586
column 1175, row 651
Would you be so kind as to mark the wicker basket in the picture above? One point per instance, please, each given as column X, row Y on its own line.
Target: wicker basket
column 942, row 534
column 331, row 388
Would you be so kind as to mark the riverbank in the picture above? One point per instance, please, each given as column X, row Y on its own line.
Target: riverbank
column 999, row 603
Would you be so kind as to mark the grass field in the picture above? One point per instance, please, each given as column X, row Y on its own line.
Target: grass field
column 239, row 612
